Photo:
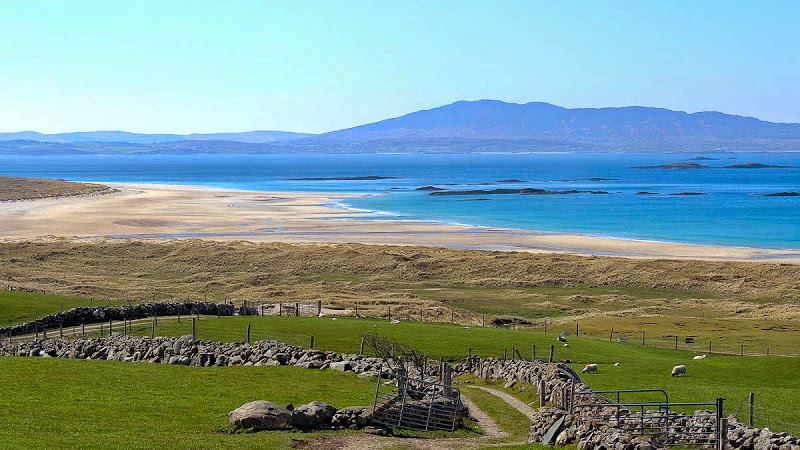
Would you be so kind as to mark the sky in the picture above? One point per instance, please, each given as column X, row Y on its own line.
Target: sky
column 315, row 66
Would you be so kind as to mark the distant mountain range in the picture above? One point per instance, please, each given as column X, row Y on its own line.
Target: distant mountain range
column 465, row 126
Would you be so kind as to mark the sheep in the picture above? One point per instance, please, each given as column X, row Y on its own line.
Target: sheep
column 566, row 345
column 590, row 368
column 616, row 364
column 677, row 370
column 700, row 357
column 395, row 321
column 561, row 338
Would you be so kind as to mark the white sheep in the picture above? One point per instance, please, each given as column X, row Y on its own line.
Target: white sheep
column 616, row 364
column 700, row 357
column 566, row 345
column 561, row 338
column 590, row 368
column 395, row 321
column 678, row 370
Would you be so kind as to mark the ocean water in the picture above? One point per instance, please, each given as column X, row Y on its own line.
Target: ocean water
column 730, row 213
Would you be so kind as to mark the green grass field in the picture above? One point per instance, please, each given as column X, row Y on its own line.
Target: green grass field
column 20, row 307
column 773, row 379
column 59, row 403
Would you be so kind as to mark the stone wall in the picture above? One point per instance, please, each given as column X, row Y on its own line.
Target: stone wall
column 98, row 314
column 579, row 428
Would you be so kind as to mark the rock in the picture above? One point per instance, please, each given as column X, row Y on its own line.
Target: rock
column 341, row 366
column 378, row 431
column 259, row 415
column 312, row 415
column 510, row 383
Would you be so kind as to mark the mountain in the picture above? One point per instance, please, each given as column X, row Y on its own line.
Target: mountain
column 137, row 138
column 464, row 126
column 583, row 127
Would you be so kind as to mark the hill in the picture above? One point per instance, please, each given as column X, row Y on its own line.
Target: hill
column 464, row 126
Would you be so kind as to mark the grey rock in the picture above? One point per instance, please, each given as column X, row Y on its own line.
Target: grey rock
column 259, row 415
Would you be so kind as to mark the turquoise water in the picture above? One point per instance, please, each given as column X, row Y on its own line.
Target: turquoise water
column 729, row 213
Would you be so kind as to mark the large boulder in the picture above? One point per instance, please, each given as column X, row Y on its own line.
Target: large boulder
column 259, row 415
column 312, row 415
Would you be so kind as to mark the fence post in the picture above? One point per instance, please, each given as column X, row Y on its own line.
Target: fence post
column 280, row 309
column 752, row 407
column 642, row 338
column 483, row 320
column 611, row 336
column 676, row 342
column 533, row 353
column 723, row 432
column 552, row 349
column 297, row 309
column 83, row 331
column 452, row 317
column 361, row 349
column 545, row 325
column 512, row 353
column 390, row 312
column 153, row 329
column 448, row 380
column 709, row 346
column 767, row 351
column 248, row 333
column 542, row 393
column 505, row 354
column 577, row 332
column 179, row 314
column 110, row 327
column 61, row 330
column 319, row 307
column 420, row 316
column 194, row 327
column 356, row 311
column 312, row 343
column 741, row 350
column 720, row 437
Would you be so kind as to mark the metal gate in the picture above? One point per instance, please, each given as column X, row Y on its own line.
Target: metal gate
column 416, row 404
column 664, row 421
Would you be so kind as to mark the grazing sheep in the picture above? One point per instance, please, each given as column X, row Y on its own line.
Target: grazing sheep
column 566, row 345
column 700, row 357
column 677, row 370
column 616, row 364
column 395, row 321
column 590, row 368
column 561, row 338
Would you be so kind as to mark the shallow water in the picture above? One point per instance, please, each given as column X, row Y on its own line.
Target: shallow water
column 729, row 213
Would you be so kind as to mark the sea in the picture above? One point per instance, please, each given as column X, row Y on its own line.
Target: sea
column 729, row 208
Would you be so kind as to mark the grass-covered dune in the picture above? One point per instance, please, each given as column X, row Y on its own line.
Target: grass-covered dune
column 729, row 303
column 16, row 188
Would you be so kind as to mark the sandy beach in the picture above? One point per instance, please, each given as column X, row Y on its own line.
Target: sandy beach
column 172, row 211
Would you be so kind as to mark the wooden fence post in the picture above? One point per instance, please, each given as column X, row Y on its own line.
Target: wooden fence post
column 552, row 350
column 533, row 352
column 676, row 342
column 513, row 323
column 356, row 311
column 709, row 346
column 110, row 327
column 361, row 350
column 452, row 317
column 611, row 336
column 280, row 309
column 420, row 315
column 179, row 314
column 390, row 312
column 642, row 338
column 752, row 407
column 61, row 330
column 512, row 353
column 312, row 343
column 545, row 326
column 483, row 320
column 577, row 333
column 297, row 309
column 194, row 327
column 153, row 329
column 505, row 354
column 741, row 350
column 248, row 333
column 319, row 307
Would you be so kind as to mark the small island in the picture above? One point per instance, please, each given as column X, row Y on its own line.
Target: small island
column 512, row 180
column 646, row 193
column 526, row 191
column 359, row 178
column 694, row 165
column 702, row 158
column 430, row 188
column 780, row 194
column 688, row 194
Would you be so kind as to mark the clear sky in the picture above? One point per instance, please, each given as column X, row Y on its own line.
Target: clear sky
column 197, row 66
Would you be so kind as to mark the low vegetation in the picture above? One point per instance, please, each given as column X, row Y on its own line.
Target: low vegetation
column 15, row 188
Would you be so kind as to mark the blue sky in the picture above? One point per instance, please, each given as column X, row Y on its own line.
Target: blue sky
column 197, row 66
